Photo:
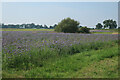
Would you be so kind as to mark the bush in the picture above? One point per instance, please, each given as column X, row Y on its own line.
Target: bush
column 67, row 25
column 84, row 30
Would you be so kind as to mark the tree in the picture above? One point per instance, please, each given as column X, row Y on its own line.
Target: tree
column 2, row 25
column 54, row 25
column 41, row 26
column 51, row 27
column 99, row 26
column 32, row 25
column 45, row 26
column 79, row 26
column 17, row 25
column 67, row 25
column 37, row 27
column 110, row 24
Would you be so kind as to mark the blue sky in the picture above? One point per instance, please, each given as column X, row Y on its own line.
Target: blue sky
column 49, row 13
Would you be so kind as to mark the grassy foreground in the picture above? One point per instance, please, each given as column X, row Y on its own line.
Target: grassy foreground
column 101, row 63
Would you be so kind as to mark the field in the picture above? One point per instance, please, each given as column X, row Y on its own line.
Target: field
column 46, row 54
column 13, row 29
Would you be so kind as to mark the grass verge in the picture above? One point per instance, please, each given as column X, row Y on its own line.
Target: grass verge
column 102, row 63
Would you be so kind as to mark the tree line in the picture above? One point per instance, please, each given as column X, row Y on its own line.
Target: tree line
column 28, row 26
column 110, row 24
column 66, row 24
column 69, row 25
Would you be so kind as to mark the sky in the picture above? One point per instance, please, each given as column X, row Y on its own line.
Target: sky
column 49, row 13
column 59, row 0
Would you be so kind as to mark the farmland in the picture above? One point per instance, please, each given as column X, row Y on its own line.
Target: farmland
column 13, row 29
column 46, row 54
column 59, row 39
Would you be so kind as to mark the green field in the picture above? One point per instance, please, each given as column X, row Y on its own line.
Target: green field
column 97, row 59
column 101, row 63
column 102, row 32
column 11, row 29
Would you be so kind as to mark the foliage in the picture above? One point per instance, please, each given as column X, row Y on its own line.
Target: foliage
column 27, row 26
column 46, row 55
column 84, row 30
column 67, row 25
column 21, row 47
column 71, row 65
column 11, row 29
column 45, row 26
column 52, row 27
column 99, row 26
column 79, row 64
column 111, row 24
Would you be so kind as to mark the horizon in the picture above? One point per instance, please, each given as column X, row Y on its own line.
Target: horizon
column 50, row 13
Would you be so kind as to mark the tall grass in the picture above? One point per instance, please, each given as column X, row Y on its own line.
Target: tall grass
column 79, row 64
column 36, row 57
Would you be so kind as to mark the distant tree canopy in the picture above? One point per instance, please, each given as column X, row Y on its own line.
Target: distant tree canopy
column 45, row 26
column 52, row 27
column 67, row 25
column 110, row 24
column 99, row 26
column 32, row 25
column 79, row 26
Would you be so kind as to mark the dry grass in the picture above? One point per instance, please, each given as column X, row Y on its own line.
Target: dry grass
column 115, row 33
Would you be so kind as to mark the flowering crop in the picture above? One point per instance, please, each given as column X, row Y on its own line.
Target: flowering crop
column 21, row 46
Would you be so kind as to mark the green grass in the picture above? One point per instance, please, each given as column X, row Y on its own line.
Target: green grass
column 102, row 32
column 107, row 68
column 112, row 31
column 107, row 29
column 69, row 67
column 93, row 63
column 0, row 65
column 36, row 57
column 13, row 29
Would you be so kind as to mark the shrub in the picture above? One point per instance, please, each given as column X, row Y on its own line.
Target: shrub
column 67, row 25
column 84, row 30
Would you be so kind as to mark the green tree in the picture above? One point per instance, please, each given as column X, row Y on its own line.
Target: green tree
column 110, row 24
column 45, row 26
column 67, row 25
column 54, row 25
column 99, row 26
column 51, row 27
column 32, row 25
column 79, row 26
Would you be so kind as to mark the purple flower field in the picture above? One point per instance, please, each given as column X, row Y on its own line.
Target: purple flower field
column 26, row 50
column 19, row 41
